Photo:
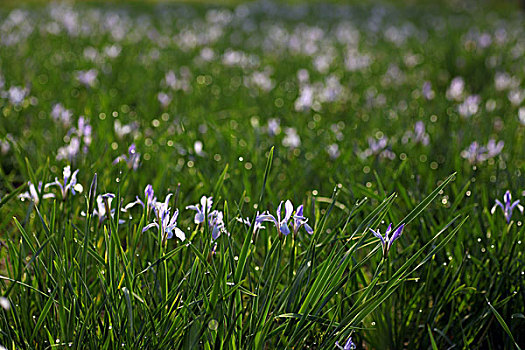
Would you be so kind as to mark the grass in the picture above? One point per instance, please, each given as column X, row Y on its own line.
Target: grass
column 353, row 112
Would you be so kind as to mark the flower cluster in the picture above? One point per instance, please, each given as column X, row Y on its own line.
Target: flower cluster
column 282, row 222
column 67, row 185
column 76, row 137
column 132, row 159
column 61, row 115
column 165, row 221
column 215, row 217
column 378, row 147
column 477, row 153
column 419, row 135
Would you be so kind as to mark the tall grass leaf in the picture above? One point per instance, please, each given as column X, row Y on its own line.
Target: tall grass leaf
column 503, row 324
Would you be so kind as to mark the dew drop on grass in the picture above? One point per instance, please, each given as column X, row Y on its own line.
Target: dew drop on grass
column 213, row 325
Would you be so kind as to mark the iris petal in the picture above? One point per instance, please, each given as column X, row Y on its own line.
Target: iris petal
column 147, row 227
column 378, row 235
column 288, row 211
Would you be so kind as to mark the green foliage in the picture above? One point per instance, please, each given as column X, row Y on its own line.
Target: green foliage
column 75, row 279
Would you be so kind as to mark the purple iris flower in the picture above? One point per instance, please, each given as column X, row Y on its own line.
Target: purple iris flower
column 299, row 220
column 87, row 78
column 274, row 126
column 494, row 148
column 76, row 137
column 419, row 133
column 215, row 217
column 477, row 153
column 61, row 114
column 378, row 147
column 132, row 158
column 216, row 222
column 474, row 153
column 16, row 95
column 256, row 227
column 68, row 184
column 168, row 222
column 428, row 93
column 151, row 200
column 202, row 209
column 387, row 241
column 150, row 194
column 32, row 193
column 470, row 106
column 104, row 206
column 507, row 206
column 333, row 151
column 280, row 223
column 349, row 345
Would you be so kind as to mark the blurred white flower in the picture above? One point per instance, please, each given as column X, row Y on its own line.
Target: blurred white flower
column 456, row 89
column 292, row 139
column 87, row 78
column 5, row 304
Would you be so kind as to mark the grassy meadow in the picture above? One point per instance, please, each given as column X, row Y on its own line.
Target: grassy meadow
column 262, row 175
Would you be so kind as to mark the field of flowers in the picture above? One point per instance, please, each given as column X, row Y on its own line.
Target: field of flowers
column 262, row 176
